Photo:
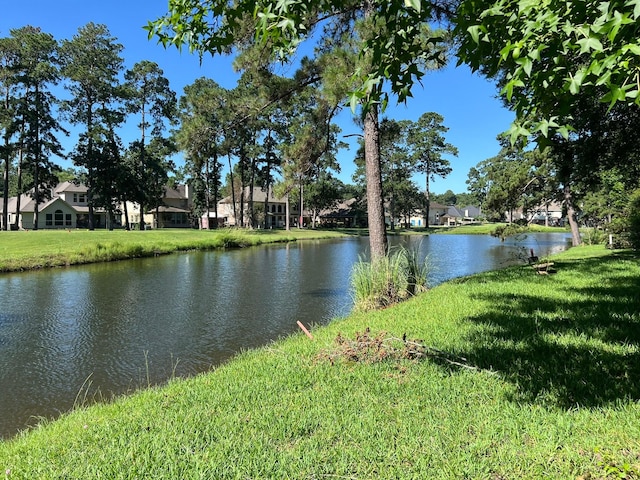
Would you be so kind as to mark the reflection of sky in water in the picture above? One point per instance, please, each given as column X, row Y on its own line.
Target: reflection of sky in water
column 65, row 332
column 451, row 256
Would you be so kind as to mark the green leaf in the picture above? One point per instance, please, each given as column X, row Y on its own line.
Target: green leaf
column 354, row 101
column 543, row 127
column 616, row 94
column 535, row 54
column 632, row 47
column 516, row 131
column 636, row 8
column 474, row 31
column 525, row 5
column 564, row 131
column 415, row 4
column 576, row 81
column 526, row 64
column 590, row 43
column 604, row 79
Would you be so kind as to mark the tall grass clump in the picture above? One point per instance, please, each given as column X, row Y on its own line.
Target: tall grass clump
column 594, row 236
column 391, row 279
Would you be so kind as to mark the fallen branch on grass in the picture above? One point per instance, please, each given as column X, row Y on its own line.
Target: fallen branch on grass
column 367, row 348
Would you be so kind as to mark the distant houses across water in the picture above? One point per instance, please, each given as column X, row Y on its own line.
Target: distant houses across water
column 67, row 207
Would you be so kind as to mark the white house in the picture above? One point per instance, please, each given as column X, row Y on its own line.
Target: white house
column 549, row 214
column 67, row 208
column 436, row 211
column 460, row 215
column 275, row 217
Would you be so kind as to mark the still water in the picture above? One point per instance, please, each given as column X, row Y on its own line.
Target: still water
column 68, row 335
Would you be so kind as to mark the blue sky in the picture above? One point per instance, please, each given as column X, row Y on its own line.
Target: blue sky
column 467, row 102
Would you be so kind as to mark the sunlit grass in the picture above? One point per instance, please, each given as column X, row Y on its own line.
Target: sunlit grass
column 531, row 377
column 49, row 248
column 490, row 228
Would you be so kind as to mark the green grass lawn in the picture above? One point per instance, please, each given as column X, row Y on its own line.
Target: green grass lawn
column 49, row 248
column 512, row 375
column 489, row 228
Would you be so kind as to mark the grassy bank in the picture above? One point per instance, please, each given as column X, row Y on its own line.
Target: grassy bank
column 489, row 228
column 511, row 375
column 52, row 248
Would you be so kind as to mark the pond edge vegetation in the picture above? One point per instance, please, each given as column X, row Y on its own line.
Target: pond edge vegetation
column 397, row 276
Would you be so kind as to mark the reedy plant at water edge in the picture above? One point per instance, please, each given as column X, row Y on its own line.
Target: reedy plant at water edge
column 391, row 279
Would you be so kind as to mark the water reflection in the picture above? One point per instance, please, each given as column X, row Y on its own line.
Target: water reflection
column 110, row 328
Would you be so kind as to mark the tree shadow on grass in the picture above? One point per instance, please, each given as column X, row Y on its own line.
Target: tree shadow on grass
column 582, row 350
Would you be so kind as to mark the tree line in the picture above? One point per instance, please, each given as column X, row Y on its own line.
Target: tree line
column 32, row 119
column 567, row 69
column 271, row 132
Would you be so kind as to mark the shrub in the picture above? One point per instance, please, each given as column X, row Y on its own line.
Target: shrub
column 634, row 220
column 391, row 279
column 508, row 230
column 594, row 236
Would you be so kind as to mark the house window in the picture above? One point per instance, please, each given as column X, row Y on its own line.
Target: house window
column 49, row 220
column 79, row 198
column 67, row 219
column 178, row 219
column 273, row 209
column 279, row 208
column 58, row 218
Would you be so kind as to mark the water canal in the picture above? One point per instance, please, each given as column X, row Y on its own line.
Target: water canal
column 67, row 335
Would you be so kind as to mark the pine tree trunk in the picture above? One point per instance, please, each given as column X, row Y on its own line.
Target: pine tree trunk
column 252, row 182
column 19, row 173
column 427, row 203
column 301, row 203
column 576, row 239
column 207, row 200
column 233, row 193
column 287, row 212
column 5, row 176
column 266, row 207
column 36, row 166
column 546, row 214
column 126, row 216
column 375, row 201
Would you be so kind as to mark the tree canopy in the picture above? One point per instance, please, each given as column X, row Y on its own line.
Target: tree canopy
column 546, row 53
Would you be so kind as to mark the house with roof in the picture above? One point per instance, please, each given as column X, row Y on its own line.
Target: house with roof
column 548, row 213
column 346, row 214
column 460, row 215
column 174, row 211
column 436, row 212
column 274, row 217
column 67, row 207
